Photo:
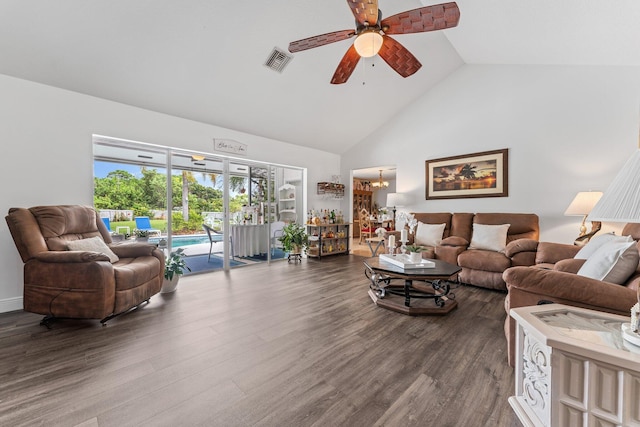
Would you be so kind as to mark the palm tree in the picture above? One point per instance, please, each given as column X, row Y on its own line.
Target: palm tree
column 237, row 183
column 187, row 177
column 467, row 172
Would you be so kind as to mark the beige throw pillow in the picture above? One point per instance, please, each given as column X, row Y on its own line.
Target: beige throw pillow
column 597, row 241
column 429, row 234
column 489, row 237
column 613, row 262
column 93, row 244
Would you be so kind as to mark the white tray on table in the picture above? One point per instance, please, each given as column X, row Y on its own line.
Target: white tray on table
column 403, row 260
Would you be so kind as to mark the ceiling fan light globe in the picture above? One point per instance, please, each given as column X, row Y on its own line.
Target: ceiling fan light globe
column 368, row 43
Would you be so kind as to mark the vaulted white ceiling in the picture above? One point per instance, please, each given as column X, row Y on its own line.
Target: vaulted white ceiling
column 203, row 59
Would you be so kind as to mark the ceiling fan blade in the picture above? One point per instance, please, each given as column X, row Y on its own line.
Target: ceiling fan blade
column 398, row 57
column 364, row 11
column 429, row 18
column 346, row 66
column 320, row 40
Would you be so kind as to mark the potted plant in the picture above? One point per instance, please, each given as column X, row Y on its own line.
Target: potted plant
column 141, row 235
column 294, row 238
column 414, row 253
column 173, row 268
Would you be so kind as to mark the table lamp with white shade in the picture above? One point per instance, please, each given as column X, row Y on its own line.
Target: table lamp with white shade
column 582, row 205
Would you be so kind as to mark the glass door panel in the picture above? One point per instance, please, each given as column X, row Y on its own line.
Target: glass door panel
column 129, row 186
column 197, row 210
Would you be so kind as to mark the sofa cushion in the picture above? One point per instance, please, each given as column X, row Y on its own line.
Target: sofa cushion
column 133, row 272
column 484, row 260
column 613, row 262
column 489, row 237
column 598, row 241
column 93, row 244
column 429, row 234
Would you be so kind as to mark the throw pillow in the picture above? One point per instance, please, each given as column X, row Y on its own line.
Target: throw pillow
column 94, row 244
column 613, row 262
column 429, row 234
column 597, row 241
column 489, row 237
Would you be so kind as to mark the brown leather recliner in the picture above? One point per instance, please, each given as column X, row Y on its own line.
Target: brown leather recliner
column 61, row 283
column 553, row 279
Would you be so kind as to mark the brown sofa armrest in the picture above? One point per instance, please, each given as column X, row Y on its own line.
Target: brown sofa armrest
column 455, row 241
column 553, row 252
column 560, row 286
column 70, row 256
column 569, row 265
column 520, row 245
column 449, row 253
column 132, row 249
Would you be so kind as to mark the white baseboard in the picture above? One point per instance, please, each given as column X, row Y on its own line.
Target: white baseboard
column 10, row 304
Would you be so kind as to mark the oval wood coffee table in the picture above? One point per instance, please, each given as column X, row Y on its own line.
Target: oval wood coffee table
column 431, row 296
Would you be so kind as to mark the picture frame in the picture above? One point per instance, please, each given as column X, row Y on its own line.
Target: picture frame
column 483, row 174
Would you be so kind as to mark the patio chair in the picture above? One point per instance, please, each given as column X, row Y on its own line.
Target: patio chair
column 107, row 223
column 143, row 223
column 276, row 234
column 216, row 236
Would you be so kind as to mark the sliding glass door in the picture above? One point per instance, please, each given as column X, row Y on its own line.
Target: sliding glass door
column 222, row 212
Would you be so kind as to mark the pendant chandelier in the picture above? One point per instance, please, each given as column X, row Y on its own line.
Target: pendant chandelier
column 380, row 183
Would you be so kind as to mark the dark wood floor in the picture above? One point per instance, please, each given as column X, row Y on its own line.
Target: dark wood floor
column 266, row 345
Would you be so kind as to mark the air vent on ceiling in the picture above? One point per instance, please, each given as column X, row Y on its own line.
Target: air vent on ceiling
column 277, row 60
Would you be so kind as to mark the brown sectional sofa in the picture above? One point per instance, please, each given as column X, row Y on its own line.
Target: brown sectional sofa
column 64, row 283
column 554, row 280
column 481, row 267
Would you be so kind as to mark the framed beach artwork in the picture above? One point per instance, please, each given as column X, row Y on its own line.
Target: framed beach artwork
column 482, row 174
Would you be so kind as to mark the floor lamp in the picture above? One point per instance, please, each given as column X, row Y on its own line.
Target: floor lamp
column 395, row 200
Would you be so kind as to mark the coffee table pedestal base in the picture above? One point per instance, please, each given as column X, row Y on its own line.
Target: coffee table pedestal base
column 418, row 307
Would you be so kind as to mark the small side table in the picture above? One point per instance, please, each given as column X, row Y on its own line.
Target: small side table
column 574, row 368
column 125, row 228
column 295, row 258
column 379, row 243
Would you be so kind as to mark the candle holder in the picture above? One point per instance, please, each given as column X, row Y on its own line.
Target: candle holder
column 392, row 250
column 403, row 247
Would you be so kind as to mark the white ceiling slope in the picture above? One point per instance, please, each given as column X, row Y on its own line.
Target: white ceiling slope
column 203, row 59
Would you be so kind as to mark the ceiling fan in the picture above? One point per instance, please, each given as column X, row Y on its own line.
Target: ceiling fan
column 372, row 35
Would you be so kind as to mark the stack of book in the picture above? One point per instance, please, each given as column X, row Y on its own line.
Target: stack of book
column 404, row 261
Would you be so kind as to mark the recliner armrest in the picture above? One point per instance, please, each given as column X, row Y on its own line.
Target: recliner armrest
column 454, row 241
column 70, row 256
column 570, row 265
column 551, row 253
column 520, row 245
column 132, row 249
column 560, row 286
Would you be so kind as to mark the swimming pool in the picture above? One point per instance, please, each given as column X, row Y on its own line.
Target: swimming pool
column 188, row 240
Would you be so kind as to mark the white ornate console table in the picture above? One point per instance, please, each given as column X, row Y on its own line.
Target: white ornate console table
column 573, row 368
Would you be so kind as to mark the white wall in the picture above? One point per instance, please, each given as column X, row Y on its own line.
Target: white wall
column 46, row 138
column 568, row 129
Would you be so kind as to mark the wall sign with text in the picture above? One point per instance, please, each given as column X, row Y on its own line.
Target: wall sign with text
column 230, row 146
